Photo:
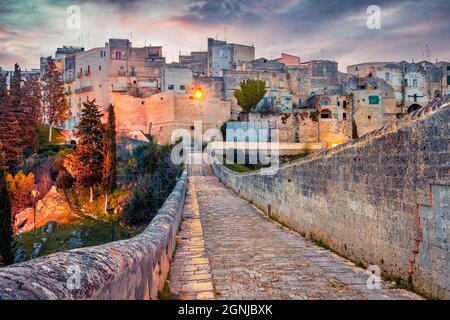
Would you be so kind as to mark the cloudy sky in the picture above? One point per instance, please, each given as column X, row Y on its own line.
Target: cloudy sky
column 327, row 29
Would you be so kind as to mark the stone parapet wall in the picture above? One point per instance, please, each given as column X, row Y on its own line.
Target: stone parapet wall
column 382, row 199
column 135, row 268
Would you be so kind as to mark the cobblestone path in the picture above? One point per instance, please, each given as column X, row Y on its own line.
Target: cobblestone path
column 228, row 249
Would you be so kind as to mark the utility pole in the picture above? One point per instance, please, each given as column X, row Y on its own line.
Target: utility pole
column 34, row 194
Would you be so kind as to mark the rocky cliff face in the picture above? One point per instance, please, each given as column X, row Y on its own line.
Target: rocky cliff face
column 53, row 207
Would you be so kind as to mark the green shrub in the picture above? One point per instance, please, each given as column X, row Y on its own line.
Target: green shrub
column 158, row 176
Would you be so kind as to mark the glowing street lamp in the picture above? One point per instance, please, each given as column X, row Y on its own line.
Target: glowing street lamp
column 198, row 93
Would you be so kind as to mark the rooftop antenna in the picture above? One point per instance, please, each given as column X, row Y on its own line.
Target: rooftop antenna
column 145, row 42
column 131, row 37
column 225, row 32
column 427, row 51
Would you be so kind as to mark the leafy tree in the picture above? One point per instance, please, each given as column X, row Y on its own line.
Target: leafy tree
column 250, row 94
column 10, row 131
column 19, row 188
column 54, row 98
column 85, row 164
column 109, row 176
column 153, row 188
column 6, row 225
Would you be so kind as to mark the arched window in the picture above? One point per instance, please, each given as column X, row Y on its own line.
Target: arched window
column 413, row 107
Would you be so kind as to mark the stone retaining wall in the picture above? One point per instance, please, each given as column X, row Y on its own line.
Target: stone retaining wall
column 135, row 268
column 382, row 199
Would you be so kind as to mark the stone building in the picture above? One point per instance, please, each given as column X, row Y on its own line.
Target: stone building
column 227, row 56
column 161, row 114
column 197, row 61
column 414, row 84
column 445, row 81
column 261, row 64
column 289, row 60
column 177, row 79
column 277, row 98
column 115, row 69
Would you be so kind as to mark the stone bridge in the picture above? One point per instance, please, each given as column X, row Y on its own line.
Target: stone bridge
column 229, row 249
column 381, row 201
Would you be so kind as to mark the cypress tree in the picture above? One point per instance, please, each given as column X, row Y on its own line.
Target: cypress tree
column 31, row 108
column 6, row 223
column 109, row 181
column 85, row 164
column 3, row 85
column 16, row 80
column 10, row 130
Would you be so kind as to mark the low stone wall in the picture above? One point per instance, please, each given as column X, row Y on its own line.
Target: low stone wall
column 382, row 199
column 135, row 268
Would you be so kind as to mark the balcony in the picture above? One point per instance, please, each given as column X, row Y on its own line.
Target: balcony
column 84, row 89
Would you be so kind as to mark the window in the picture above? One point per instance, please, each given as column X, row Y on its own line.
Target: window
column 182, row 87
column 414, row 82
column 325, row 114
column 374, row 100
column 324, row 102
column 406, row 82
column 338, row 103
column 388, row 76
column 448, row 80
column 344, row 116
column 118, row 55
column 345, row 104
column 170, row 87
column 448, row 68
column 369, row 117
column 99, row 68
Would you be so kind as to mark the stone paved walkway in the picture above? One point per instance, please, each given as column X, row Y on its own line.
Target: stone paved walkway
column 230, row 250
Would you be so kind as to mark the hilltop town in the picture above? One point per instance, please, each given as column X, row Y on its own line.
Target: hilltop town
column 153, row 97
